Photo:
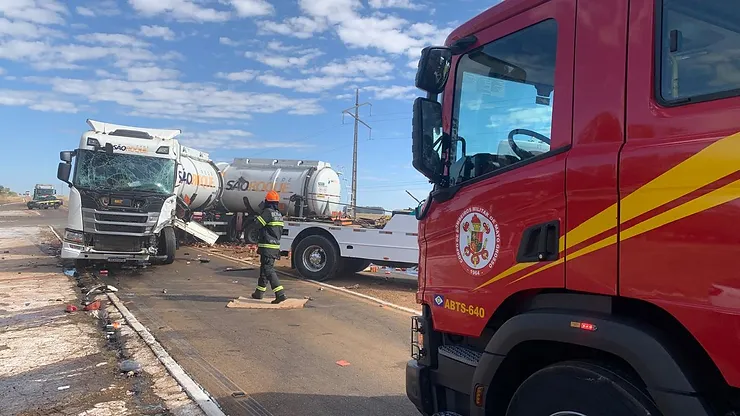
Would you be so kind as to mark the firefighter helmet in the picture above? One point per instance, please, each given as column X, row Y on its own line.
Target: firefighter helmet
column 272, row 196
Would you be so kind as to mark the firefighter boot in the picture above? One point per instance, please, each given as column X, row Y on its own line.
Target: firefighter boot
column 279, row 296
column 259, row 292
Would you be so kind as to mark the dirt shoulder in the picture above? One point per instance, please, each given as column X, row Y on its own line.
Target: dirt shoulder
column 58, row 363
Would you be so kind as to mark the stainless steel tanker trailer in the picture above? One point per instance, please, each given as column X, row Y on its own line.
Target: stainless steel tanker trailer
column 223, row 197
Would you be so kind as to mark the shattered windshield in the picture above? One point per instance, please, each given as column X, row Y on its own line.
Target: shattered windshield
column 122, row 172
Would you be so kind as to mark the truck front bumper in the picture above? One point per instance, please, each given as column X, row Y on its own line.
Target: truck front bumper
column 418, row 387
column 71, row 251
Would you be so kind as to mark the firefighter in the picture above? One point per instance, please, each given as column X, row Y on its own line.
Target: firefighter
column 270, row 222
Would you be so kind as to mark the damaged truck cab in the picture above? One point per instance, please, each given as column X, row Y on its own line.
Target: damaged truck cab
column 122, row 198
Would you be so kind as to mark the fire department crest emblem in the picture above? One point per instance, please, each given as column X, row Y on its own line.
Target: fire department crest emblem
column 478, row 241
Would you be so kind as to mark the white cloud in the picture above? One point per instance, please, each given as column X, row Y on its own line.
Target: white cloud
column 226, row 41
column 18, row 29
column 249, row 8
column 36, row 11
column 99, row 8
column 185, row 10
column 150, row 73
column 36, row 100
column 233, row 139
column 276, row 45
column 45, row 56
column 370, row 66
column 158, row 32
column 398, row 4
column 2, row 70
column 277, row 61
column 300, row 27
column 246, row 75
column 174, row 99
column 392, row 92
column 310, row 85
column 113, row 39
column 84, row 11
column 386, row 33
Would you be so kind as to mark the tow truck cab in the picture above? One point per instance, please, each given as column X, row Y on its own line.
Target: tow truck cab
column 586, row 234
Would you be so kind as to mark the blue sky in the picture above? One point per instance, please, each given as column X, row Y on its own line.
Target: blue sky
column 241, row 78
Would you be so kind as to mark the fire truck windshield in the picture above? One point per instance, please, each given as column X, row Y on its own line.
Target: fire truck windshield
column 123, row 172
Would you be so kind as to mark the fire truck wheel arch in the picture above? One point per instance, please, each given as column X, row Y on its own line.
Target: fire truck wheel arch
column 666, row 380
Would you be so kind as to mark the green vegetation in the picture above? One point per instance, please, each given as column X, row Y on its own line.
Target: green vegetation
column 7, row 192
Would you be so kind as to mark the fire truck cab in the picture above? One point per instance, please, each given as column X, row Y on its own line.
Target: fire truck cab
column 576, row 252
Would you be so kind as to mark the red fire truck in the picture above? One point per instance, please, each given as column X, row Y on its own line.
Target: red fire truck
column 577, row 251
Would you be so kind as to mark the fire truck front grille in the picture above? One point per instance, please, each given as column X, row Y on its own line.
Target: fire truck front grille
column 121, row 244
column 113, row 228
column 122, row 217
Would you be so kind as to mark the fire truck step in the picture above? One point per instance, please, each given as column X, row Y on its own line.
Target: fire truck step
column 460, row 353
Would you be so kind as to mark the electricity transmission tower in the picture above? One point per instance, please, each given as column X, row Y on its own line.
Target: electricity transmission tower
column 356, row 115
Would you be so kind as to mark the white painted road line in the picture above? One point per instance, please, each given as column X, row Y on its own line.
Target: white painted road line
column 193, row 389
column 55, row 233
column 337, row 288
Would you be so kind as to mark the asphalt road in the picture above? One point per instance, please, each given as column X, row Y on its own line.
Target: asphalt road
column 57, row 218
column 270, row 362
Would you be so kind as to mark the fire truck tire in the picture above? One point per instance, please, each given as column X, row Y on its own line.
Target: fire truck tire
column 579, row 388
column 316, row 258
column 168, row 244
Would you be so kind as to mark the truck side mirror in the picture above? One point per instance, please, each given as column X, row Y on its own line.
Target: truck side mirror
column 65, row 156
column 63, row 171
column 426, row 133
column 433, row 69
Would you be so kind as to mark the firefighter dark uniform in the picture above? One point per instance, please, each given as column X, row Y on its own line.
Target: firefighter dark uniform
column 271, row 224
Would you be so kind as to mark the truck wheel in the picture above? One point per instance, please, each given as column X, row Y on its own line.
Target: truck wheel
column 350, row 265
column 168, row 244
column 576, row 388
column 252, row 234
column 316, row 258
column 56, row 206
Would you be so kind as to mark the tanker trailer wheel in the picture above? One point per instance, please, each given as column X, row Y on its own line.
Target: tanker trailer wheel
column 252, row 234
column 316, row 258
column 350, row 265
column 168, row 244
column 578, row 388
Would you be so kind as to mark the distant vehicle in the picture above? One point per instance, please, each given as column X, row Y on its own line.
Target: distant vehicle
column 44, row 197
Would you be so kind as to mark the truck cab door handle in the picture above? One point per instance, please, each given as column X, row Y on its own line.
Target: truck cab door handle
column 539, row 243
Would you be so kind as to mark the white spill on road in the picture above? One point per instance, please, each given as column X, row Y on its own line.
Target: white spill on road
column 27, row 293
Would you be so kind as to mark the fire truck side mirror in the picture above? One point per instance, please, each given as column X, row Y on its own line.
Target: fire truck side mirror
column 426, row 137
column 433, row 69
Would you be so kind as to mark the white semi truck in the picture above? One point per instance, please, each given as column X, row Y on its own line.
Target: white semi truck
column 123, row 196
column 224, row 197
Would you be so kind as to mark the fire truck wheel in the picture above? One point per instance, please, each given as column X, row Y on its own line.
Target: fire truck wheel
column 316, row 258
column 577, row 388
column 168, row 244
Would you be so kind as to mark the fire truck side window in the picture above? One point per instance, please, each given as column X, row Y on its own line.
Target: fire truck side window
column 699, row 44
column 504, row 95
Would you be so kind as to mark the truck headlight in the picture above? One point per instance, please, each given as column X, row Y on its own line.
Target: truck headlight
column 74, row 236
